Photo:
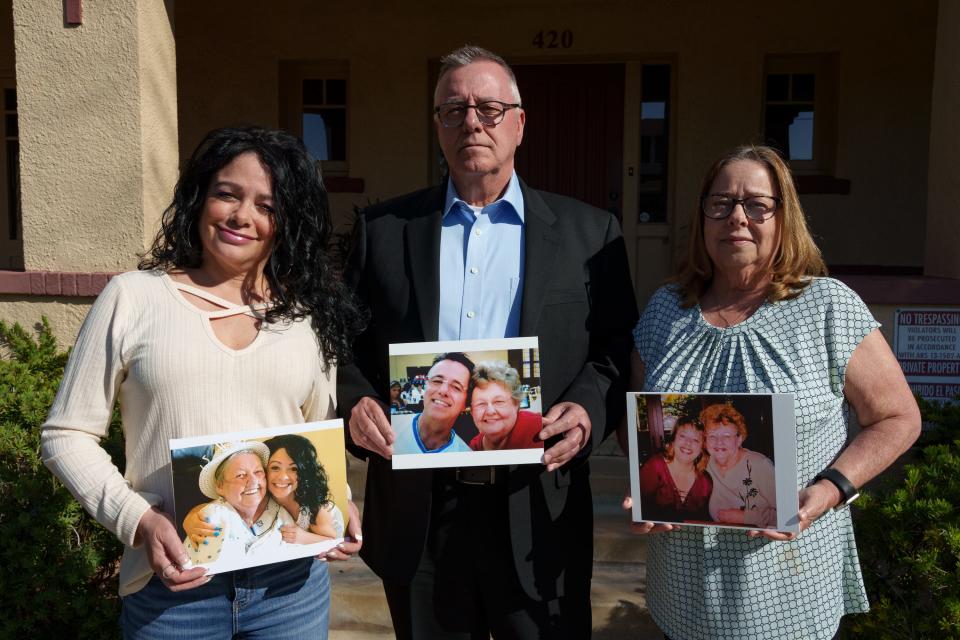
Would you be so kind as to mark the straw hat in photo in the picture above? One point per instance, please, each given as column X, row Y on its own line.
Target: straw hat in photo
column 208, row 483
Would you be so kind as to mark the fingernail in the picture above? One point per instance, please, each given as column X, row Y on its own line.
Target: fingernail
column 206, row 542
column 186, row 563
column 340, row 546
column 216, row 534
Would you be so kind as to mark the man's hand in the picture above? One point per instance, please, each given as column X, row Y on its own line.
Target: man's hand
column 370, row 428
column 353, row 539
column 165, row 551
column 572, row 421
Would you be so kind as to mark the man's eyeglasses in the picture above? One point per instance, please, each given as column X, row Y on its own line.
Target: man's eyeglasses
column 489, row 113
column 437, row 381
column 718, row 206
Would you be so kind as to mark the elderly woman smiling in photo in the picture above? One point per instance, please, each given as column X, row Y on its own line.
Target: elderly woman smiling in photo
column 249, row 520
column 495, row 408
column 236, row 320
column 744, row 483
column 296, row 482
column 750, row 311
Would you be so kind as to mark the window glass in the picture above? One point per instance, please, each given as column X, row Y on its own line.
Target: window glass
column 654, row 142
column 789, row 114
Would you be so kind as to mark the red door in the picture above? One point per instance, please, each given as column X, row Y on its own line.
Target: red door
column 573, row 140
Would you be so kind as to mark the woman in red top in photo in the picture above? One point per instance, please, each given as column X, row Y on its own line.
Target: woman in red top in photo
column 495, row 408
column 673, row 484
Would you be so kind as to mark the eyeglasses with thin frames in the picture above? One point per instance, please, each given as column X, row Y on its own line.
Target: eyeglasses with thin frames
column 718, row 206
column 490, row 113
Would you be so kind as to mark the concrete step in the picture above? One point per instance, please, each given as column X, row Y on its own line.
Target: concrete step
column 357, row 602
column 358, row 608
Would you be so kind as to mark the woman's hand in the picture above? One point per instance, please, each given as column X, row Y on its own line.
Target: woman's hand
column 353, row 539
column 646, row 527
column 815, row 501
column 198, row 526
column 292, row 534
column 166, row 554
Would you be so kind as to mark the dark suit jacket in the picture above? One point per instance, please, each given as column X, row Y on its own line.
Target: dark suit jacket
column 577, row 298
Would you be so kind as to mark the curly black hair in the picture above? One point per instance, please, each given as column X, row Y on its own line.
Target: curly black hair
column 313, row 490
column 301, row 273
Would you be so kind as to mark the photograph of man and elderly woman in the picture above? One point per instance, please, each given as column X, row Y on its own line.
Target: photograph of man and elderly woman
column 709, row 459
column 245, row 499
column 480, row 398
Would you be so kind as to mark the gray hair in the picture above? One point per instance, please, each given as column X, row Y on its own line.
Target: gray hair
column 498, row 371
column 468, row 54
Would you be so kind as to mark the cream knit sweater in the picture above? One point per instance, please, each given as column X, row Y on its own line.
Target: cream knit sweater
column 147, row 345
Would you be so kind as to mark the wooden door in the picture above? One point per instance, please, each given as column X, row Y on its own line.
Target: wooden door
column 573, row 141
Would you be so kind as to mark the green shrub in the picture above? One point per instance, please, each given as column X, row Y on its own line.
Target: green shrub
column 57, row 565
column 908, row 534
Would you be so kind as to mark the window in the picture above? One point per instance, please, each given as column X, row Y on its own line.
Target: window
column 654, row 142
column 314, row 98
column 800, row 110
column 11, row 241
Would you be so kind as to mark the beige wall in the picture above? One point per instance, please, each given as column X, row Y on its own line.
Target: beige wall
column 98, row 131
column 227, row 72
column 65, row 314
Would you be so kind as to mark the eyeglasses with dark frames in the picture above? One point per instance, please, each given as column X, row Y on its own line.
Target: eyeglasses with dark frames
column 490, row 113
column 718, row 206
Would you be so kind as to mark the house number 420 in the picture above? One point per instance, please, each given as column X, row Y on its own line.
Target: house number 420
column 553, row 39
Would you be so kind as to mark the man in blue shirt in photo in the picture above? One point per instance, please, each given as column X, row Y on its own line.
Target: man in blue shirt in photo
column 445, row 399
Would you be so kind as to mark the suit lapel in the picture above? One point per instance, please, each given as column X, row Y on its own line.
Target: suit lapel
column 541, row 250
column 422, row 239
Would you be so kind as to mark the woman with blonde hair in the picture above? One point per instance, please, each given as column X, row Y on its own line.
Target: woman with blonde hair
column 750, row 311
column 674, row 485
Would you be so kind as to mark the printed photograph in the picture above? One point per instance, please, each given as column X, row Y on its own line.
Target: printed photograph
column 714, row 459
column 248, row 498
column 466, row 403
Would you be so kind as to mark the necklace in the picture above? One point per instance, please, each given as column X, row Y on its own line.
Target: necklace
column 732, row 313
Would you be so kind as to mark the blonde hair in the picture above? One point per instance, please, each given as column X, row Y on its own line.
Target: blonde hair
column 498, row 371
column 796, row 259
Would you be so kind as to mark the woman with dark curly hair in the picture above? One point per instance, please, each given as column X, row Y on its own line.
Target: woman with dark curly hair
column 298, row 483
column 237, row 319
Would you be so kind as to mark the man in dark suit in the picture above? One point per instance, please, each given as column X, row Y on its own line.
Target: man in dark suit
column 464, row 553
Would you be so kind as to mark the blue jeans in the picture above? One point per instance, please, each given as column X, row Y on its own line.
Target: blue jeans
column 286, row 600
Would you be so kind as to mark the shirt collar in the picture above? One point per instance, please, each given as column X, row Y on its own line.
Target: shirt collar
column 512, row 199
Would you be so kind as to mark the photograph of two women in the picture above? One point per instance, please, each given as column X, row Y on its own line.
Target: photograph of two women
column 249, row 498
column 714, row 459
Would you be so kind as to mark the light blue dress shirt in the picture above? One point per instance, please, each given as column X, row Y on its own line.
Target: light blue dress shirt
column 481, row 266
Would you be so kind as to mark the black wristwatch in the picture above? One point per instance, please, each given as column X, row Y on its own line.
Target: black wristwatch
column 848, row 492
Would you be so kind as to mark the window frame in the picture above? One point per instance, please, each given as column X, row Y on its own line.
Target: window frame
column 292, row 75
column 823, row 67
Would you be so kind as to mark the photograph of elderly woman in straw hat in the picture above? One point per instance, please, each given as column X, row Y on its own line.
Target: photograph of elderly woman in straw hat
column 297, row 481
column 248, row 518
column 272, row 494
column 481, row 404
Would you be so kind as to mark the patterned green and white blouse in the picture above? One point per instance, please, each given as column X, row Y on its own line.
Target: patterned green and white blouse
column 710, row 583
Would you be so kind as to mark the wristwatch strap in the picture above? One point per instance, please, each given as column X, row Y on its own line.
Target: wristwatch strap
column 848, row 492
